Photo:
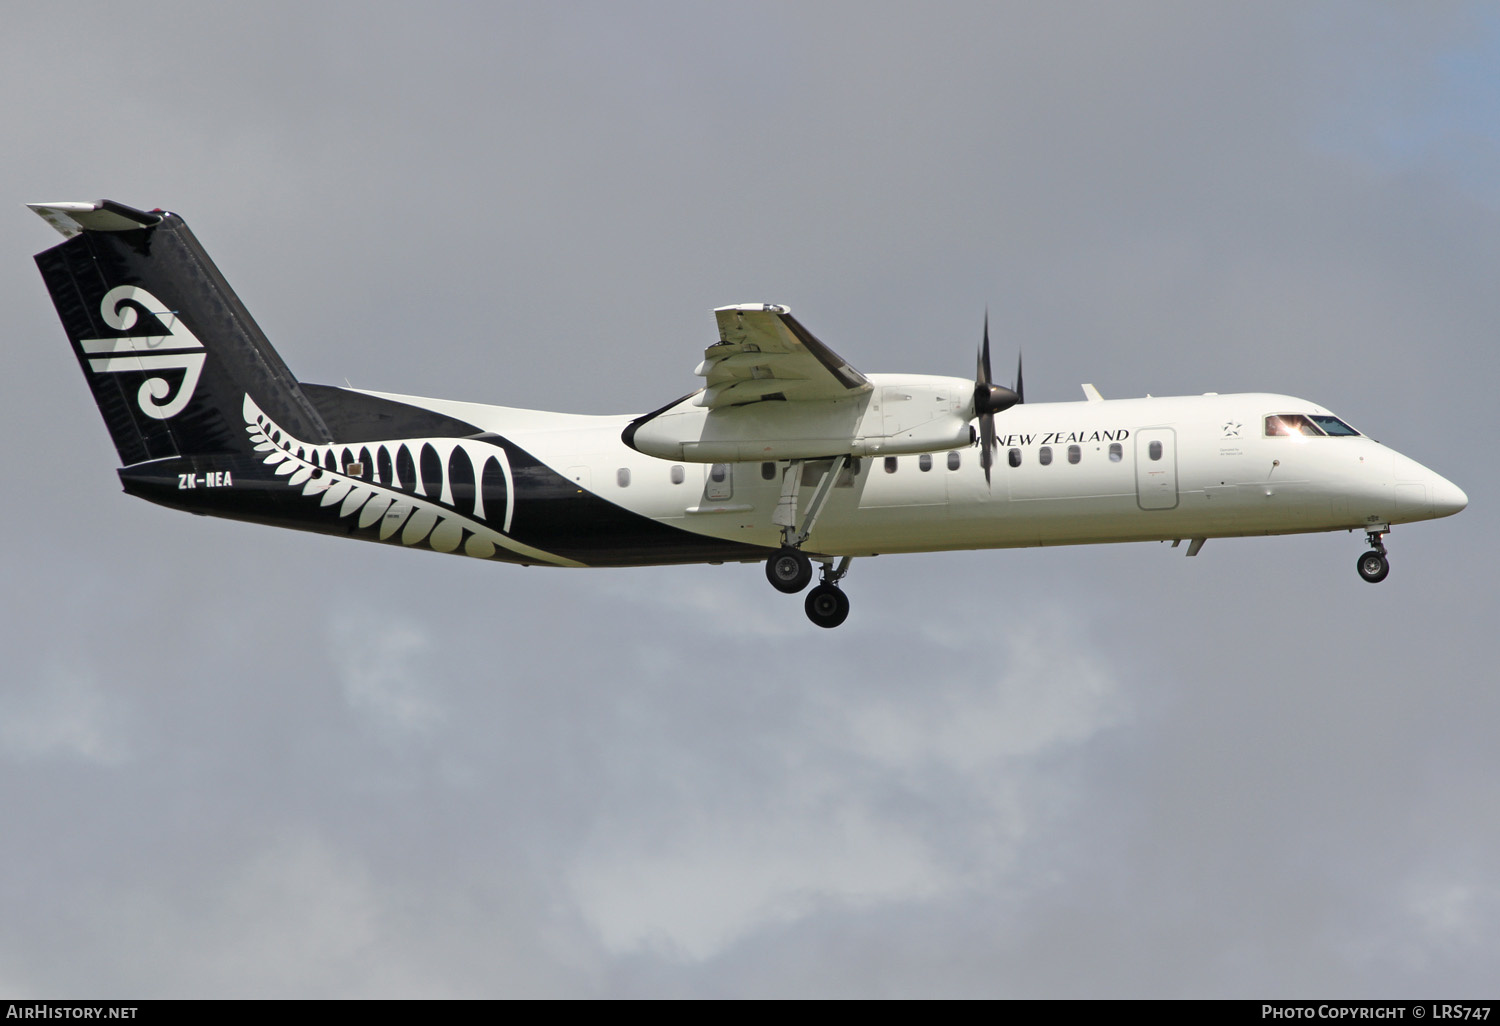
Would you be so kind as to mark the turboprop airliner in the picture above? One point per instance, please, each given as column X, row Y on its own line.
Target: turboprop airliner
column 787, row 455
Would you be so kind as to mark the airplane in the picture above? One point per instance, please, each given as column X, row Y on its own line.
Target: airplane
column 787, row 455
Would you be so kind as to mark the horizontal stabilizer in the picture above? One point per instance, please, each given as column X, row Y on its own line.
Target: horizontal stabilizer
column 101, row 216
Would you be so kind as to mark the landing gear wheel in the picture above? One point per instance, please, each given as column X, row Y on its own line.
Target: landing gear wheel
column 789, row 571
column 1373, row 566
column 827, row 606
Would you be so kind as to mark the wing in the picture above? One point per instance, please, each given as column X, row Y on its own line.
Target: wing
column 774, row 392
column 764, row 353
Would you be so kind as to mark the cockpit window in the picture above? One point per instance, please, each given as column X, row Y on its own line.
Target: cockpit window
column 1307, row 424
column 1290, row 424
column 1332, row 425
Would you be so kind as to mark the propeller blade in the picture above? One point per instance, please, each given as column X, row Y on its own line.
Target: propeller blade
column 987, row 444
column 982, row 375
column 1020, row 384
column 988, row 400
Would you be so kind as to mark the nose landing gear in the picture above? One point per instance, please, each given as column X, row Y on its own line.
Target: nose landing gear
column 1373, row 565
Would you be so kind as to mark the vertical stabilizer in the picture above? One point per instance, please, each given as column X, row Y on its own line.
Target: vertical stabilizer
column 167, row 348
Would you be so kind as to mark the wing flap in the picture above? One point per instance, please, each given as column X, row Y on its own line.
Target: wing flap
column 764, row 353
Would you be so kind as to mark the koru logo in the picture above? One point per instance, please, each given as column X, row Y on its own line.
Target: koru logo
column 178, row 349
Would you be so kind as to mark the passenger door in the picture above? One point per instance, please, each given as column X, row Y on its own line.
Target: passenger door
column 1156, row 468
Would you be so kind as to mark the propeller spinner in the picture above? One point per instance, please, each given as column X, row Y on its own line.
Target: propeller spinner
column 990, row 399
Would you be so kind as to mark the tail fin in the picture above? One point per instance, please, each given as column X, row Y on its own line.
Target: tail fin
column 167, row 347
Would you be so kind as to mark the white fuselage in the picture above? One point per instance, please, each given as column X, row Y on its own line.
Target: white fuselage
column 1114, row 471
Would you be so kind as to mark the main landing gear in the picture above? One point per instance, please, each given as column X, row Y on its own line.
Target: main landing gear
column 790, row 569
column 827, row 605
column 1373, row 566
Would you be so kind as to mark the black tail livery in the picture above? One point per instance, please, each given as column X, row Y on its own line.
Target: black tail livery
column 207, row 418
column 166, row 346
column 194, row 396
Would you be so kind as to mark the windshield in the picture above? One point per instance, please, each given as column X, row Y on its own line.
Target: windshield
column 1306, row 424
column 1290, row 424
column 1332, row 425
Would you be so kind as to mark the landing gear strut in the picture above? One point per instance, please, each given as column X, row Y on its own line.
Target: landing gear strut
column 827, row 605
column 790, row 570
column 1373, row 566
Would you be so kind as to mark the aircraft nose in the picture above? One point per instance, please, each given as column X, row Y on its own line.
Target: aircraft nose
column 1447, row 497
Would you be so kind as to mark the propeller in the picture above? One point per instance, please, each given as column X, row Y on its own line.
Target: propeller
column 990, row 399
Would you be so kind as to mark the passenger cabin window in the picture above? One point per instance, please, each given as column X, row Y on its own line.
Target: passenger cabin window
column 924, row 461
column 1074, row 454
column 1154, row 450
column 1015, row 457
column 678, row 474
column 768, row 471
column 953, row 460
column 1045, row 456
column 622, row 477
column 1116, row 452
column 890, row 464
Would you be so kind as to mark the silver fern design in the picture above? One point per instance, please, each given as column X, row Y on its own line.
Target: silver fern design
column 401, row 502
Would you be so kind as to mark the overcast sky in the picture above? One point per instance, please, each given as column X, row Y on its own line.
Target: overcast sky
column 239, row 761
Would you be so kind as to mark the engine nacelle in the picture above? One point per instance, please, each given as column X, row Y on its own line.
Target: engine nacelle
column 901, row 414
